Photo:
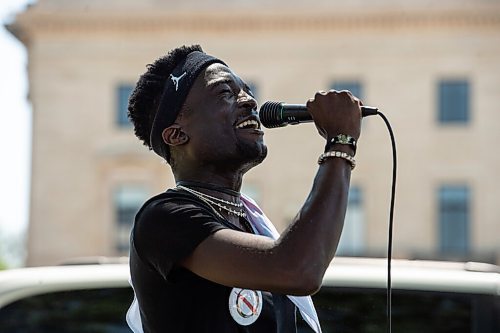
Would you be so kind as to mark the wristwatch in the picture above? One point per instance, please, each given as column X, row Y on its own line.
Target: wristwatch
column 342, row 139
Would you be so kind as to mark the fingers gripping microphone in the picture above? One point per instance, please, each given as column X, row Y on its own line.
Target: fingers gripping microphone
column 279, row 114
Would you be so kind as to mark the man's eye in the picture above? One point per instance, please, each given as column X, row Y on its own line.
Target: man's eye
column 226, row 92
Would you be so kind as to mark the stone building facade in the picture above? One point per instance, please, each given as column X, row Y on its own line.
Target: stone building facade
column 432, row 67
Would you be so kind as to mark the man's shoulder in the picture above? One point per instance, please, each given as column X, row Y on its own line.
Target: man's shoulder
column 173, row 201
column 170, row 195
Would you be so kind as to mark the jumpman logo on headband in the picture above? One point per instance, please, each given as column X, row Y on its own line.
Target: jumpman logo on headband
column 176, row 80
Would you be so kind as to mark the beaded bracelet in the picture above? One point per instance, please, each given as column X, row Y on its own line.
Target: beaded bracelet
column 342, row 139
column 340, row 154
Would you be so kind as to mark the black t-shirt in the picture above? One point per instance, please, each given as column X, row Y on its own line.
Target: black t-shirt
column 167, row 229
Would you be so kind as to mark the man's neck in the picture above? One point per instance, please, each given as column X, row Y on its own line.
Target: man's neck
column 227, row 180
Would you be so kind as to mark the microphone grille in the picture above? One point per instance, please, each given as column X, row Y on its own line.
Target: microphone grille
column 270, row 115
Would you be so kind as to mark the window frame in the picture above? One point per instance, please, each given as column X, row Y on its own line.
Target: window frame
column 122, row 94
column 448, row 225
column 453, row 94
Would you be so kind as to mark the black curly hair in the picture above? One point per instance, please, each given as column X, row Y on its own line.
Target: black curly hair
column 144, row 100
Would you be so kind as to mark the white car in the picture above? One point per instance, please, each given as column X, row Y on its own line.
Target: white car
column 427, row 297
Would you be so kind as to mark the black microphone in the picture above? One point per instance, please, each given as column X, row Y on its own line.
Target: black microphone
column 279, row 114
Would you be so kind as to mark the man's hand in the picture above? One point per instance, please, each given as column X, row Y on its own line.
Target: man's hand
column 336, row 112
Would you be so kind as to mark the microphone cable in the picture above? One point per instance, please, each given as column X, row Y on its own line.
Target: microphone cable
column 391, row 222
column 279, row 114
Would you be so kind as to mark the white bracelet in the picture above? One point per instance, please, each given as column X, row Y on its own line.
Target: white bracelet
column 340, row 154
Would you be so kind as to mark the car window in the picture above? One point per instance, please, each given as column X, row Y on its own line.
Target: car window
column 364, row 310
column 78, row 311
column 340, row 310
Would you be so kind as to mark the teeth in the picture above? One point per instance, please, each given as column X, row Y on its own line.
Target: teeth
column 253, row 123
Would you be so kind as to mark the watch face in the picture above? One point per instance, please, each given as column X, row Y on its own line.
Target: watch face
column 343, row 138
column 245, row 305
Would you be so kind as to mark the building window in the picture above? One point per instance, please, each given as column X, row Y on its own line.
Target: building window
column 353, row 86
column 453, row 102
column 127, row 201
column 123, row 93
column 454, row 215
column 352, row 241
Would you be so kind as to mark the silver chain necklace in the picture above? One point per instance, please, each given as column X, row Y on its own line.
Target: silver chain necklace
column 220, row 203
column 234, row 204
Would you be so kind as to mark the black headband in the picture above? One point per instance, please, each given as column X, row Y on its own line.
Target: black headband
column 174, row 94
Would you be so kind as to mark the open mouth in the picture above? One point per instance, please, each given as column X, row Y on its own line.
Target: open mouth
column 249, row 124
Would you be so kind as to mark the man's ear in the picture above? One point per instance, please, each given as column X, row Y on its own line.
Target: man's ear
column 174, row 135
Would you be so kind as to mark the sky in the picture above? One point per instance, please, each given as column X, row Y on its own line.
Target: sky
column 15, row 138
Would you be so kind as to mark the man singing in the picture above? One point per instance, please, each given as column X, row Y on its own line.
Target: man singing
column 203, row 257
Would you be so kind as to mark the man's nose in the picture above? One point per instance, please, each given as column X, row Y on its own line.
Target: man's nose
column 246, row 100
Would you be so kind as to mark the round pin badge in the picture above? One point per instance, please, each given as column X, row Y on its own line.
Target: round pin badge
column 245, row 305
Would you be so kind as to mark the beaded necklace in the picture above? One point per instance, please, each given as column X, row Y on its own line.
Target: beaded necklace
column 236, row 209
column 208, row 186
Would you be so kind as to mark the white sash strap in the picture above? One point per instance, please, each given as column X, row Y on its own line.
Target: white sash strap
column 264, row 227
column 134, row 315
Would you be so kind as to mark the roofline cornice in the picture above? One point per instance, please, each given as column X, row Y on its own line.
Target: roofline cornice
column 29, row 24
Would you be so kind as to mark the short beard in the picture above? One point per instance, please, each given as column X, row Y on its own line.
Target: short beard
column 252, row 154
